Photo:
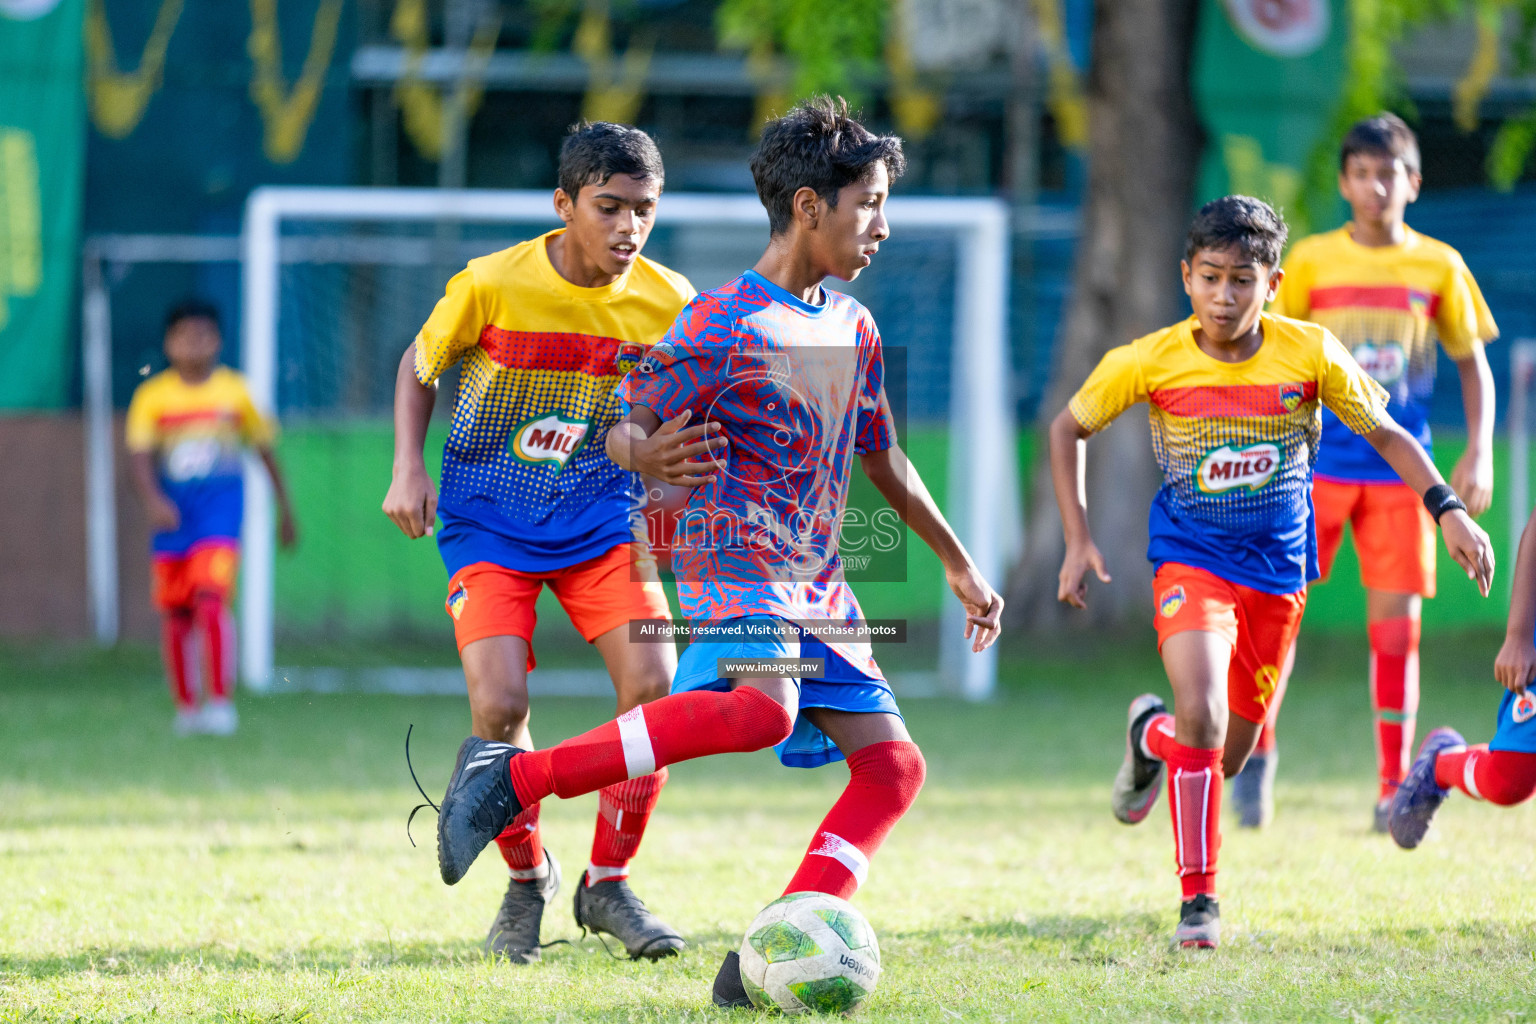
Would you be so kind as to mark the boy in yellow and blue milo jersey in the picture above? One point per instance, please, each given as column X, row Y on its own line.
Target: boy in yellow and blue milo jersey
column 542, row 333
column 1394, row 297
column 187, row 430
column 1234, row 396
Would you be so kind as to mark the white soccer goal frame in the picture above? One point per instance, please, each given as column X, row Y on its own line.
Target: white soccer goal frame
column 983, row 486
column 1522, row 377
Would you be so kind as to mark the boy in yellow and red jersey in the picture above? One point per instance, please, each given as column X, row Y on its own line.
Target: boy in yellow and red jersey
column 1390, row 295
column 187, row 428
column 543, row 332
column 1234, row 397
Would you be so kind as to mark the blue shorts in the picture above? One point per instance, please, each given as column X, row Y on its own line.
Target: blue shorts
column 842, row 687
column 1517, row 723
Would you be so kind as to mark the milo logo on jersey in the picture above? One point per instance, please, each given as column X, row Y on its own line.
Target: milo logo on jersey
column 1228, row 468
column 1385, row 363
column 551, row 439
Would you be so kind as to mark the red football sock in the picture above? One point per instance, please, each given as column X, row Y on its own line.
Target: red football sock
column 1157, row 738
column 883, row 780
column 1394, row 695
column 623, row 809
column 1194, row 798
column 175, row 633
column 675, row 728
column 1503, row 777
column 522, row 847
column 218, row 648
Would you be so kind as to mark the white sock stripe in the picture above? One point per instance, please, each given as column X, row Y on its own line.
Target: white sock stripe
column 1468, row 775
column 605, row 873
column 639, row 755
column 1205, row 809
column 1176, row 791
column 845, row 853
column 1156, row 721
column 530, row 874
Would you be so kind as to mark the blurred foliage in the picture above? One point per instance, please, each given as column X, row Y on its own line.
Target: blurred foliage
column 833, row 47
column 1374, row 81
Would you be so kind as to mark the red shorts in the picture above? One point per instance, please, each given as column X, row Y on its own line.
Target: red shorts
column 1259, row 626
column 1394, row 534
column 209, row 568
column 486, row 599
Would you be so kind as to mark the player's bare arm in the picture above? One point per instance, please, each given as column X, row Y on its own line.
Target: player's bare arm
column 411, row 503
column 671, row 452
column 287, row 526
column 1515, row 665
column 1069, row 444
column 162, row 512
column 1464, row 540
column 1472, row 476
column 899, row 482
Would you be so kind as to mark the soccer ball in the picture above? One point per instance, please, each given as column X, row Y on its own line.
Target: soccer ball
column 809, row 952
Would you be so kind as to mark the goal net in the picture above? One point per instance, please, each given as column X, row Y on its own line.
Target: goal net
column 335, row 284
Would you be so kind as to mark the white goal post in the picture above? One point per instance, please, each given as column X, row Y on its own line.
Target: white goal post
column 983, row 489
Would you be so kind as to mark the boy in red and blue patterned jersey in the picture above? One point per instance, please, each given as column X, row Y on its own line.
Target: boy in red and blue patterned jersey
column 542, row 332
column 1394, row 297
column 791, row 374
column 187, row 430
column 1234, row 397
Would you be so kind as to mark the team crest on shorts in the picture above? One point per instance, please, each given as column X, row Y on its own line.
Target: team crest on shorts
column 457, row 600
column 1171, row 601
column 1291, row 396
column 1524, row 708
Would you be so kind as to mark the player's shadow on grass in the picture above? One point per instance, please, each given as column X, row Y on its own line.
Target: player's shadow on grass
column 1082, row 935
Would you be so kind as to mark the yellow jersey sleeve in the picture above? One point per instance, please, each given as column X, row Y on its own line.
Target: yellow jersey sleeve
column 1115, row 385
column 1463, row 319
column 452, row 330
column 1293, row 297
column 1348, row 391
column 257, row 430
column 140, row 431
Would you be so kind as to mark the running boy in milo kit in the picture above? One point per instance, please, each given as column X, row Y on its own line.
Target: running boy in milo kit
column 542, row 332
column 1234, row 396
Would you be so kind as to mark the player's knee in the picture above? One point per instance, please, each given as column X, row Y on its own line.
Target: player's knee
column 643, row 687
column 908, row 771
column 764, row 722
column 501, row 716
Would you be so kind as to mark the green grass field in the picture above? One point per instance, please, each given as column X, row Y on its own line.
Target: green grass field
column 268, row 877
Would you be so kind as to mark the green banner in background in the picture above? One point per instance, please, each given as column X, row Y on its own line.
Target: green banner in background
column 1267, row 75
column 42, row 152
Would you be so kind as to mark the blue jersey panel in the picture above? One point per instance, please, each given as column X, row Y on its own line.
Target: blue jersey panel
column 1347, row 457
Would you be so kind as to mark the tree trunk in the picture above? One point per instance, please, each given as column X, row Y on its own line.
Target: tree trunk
column 1144, row 142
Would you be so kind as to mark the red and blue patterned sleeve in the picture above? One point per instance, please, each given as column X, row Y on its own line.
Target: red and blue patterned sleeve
column 681, row 371
column 876, row 426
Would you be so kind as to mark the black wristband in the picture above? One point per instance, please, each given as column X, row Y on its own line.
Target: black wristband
column 1440, row 499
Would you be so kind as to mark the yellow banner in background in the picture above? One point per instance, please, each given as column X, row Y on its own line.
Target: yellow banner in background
column 21, row 219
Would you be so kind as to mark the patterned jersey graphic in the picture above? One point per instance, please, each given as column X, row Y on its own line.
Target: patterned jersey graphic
column 526, row 483
column 1235, row 442
column 1391, row 307
column 799, row 391
column 197, row 433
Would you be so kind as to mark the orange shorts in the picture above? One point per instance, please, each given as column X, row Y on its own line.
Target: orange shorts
column 208, row 568
column 1259, row 626
column 1394, row 534
column 486, row 599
